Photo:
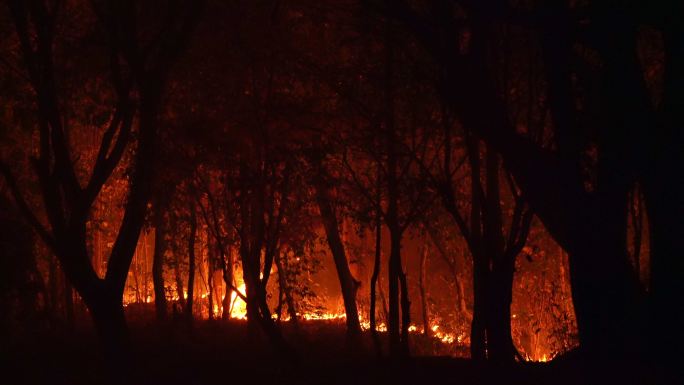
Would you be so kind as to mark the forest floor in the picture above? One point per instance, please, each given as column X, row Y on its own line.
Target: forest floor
column 222, row 353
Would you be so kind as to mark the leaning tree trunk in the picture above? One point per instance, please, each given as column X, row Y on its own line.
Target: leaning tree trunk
column 348, row 284
column 228, row 282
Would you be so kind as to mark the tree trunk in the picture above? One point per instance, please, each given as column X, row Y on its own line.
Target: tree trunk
column 423, row 294
column 393, row 324
column 107, row 312
column 405, row 313
column 500, row 347
column 286, row 291
column 210, row 277
column 374, row 279
column 228, row 281
column 478, row 339
column 348, row 284
column 664, row 192
column 191, row 264
column 52, row 277
column 179, row 281
column 158, row 264
column 68, row 293
column 499, row 284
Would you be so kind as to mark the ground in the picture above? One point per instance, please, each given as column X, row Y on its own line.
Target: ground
column 223, row 353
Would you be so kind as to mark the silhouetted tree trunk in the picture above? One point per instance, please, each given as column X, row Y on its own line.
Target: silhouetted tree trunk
column 586, row 223
column 398, row 344
column 179, row 280
column 68, row 293
column 636, row 215
column 228, row 281
column 252, row 240
column 348, row 284
column 376, row 273
column 158, row 263
column 211, row 258
column 421, row 286
column 52, row 283
column 664, row 192
column 286, row 290
column 191, row 263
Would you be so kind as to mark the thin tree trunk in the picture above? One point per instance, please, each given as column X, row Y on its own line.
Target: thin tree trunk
column 179, row 281
column 210, row 278
column 191, row 264
column 285, row 289
column 348, row 284
column 423, row 294
column 374, row 278
column 228, row 281
column 158, row 264
column 393, row 323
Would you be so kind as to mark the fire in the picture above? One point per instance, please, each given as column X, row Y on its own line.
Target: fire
column 238, row 307
column 238, row 311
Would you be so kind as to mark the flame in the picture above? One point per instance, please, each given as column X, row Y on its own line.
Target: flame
column 238, row 307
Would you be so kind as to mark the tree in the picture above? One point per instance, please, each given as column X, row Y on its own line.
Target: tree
column 582, row 204
column 66, row 200
column 348, row 284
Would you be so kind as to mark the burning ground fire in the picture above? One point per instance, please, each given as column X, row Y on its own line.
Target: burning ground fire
column 238, row 311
